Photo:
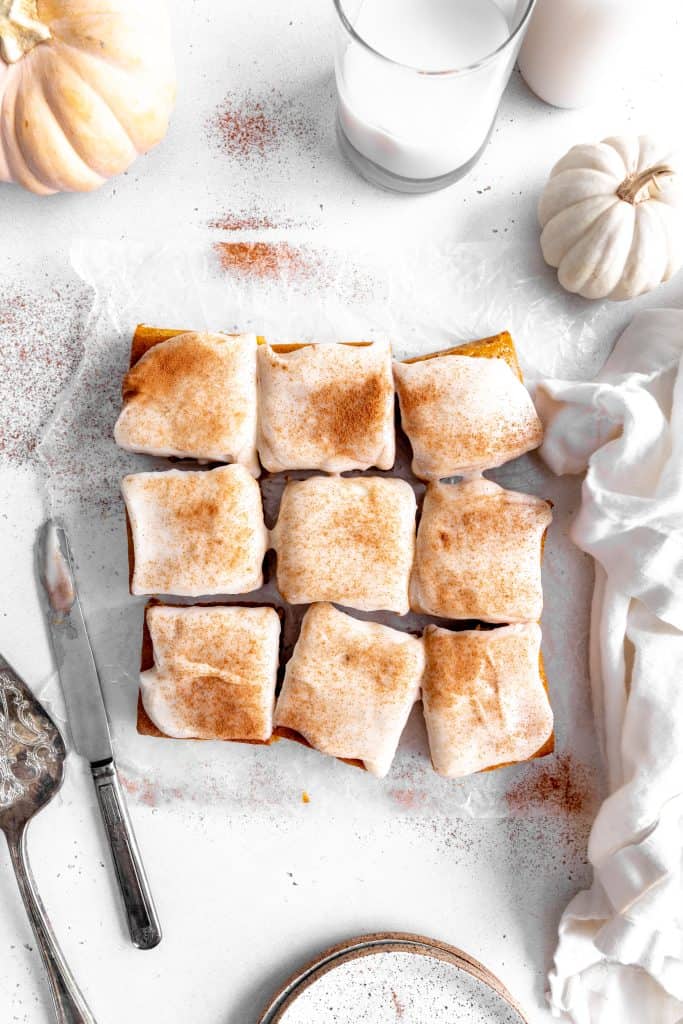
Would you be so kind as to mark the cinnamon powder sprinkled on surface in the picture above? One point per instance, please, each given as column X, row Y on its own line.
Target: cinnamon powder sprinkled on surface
column 244, row 128
column 243, row 221
column 560, row 786
column 407, row 799
column 269, row 134
column 40, row 347
column 290, row 263
column 251, row 126
column 144, row 792
column 267, row 259
column 149, row 792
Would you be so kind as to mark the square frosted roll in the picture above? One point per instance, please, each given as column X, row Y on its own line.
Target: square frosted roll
column 193, row 396
column 214, row 672
column 466, row 410
column 349, row 541
column 195, row 533
column 478, row 553
column 350, row 686
column 327, row 407
column 485, row 699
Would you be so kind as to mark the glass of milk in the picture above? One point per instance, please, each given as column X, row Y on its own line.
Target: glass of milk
column 419, row 83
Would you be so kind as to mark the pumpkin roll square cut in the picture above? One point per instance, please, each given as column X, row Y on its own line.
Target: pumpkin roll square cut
column 346, row 540
column 485, row 698
column 349, row 687
column 214, row 671
column 193, row 396
column 478, row 553
column 328, row 407
column 195, row 533
column 466, row 410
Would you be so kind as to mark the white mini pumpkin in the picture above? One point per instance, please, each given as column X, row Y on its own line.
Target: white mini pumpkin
column 85, row 87
column 612, row 218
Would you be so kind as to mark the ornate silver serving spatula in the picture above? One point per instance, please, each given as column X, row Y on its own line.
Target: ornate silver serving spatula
column 31, row 768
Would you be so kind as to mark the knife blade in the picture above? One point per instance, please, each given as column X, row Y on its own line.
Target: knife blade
column 89, row 728
column 78, row 675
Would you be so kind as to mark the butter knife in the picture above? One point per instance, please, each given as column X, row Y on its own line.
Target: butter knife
column 89, row 728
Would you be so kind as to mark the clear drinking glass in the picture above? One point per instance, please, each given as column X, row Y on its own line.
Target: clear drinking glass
column 419, row 83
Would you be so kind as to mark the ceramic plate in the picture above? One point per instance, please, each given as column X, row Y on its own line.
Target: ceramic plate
column 393, row 977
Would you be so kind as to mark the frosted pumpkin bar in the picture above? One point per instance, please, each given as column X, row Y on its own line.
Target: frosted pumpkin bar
column 212, row 673
column 346, row 540
column 194, row 533
column 191, row 395
column 349, row 687
column 466, row 409
column 327, row 407
column 484, row 697
column 478, row 553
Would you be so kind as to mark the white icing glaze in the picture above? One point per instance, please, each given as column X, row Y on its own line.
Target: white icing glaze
column 327, row 407
column 484, row 700
column 59, row 583
column 193, row 396
column 478, row 553
column 196, row 533
column 346, row 540
column 214, row 671
column 464, row 414
column 350, row 686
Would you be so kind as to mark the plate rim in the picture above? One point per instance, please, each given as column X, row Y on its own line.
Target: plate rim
column 368, row 944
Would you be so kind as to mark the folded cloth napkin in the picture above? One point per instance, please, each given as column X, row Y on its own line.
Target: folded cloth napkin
column 619, row 958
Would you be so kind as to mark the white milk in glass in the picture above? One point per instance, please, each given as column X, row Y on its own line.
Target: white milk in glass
column 415, row 125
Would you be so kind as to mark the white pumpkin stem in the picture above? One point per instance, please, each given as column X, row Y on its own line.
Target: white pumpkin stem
column 639, row 187
column 20, row 29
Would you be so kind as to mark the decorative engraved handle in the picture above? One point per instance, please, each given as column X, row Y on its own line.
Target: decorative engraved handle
column 143, row 923
column 70, row 1006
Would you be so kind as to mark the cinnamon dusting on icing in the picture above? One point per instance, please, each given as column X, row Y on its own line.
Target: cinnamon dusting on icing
column 484, row 700
column 196, row 533
column 193, row 395
column 350, row 685
column 350, row 541
column 328, row 407
column 478, row 553
column 344, row 414
column 214, row 673
column 190, row 355
column 464, row 414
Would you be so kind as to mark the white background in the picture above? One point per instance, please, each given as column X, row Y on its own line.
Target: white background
column 244, row 896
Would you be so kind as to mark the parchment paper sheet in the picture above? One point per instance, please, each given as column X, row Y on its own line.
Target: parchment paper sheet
column 422, row 301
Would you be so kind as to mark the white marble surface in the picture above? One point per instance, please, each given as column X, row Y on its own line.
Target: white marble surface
column 245, row 894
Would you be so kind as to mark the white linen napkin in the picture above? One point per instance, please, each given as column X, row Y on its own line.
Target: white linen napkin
column 619, row 958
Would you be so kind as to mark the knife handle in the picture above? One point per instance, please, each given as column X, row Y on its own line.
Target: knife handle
column 143, row 922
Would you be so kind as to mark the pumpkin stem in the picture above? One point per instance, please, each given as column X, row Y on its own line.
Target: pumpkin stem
column 639, row 187
column 20, row 29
